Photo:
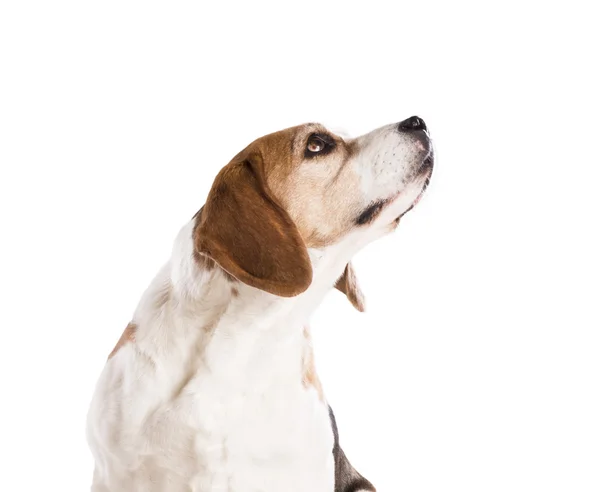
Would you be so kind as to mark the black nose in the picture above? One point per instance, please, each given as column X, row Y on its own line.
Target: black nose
column 411, row 124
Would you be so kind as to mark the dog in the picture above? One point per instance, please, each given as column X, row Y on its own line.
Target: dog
column 212, row 386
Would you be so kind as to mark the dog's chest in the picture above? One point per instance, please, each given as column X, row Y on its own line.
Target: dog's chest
column 273, row 441
column 277, row 441
column 241, row 423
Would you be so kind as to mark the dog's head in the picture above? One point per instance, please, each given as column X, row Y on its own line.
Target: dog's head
column 306, row 187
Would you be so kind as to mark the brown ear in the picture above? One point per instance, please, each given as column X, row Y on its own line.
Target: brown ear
column 245, row 230
column 348, row 284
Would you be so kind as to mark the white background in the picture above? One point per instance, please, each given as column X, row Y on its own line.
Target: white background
column 477, row 365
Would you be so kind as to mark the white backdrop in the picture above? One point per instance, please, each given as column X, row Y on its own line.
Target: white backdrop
column 476, row 366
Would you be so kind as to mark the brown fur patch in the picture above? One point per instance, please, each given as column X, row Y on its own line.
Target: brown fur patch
column 348, row 284
column 315, row 192
column 204, row 262
column 246, row 231
column 128, row 335
column 309, row 372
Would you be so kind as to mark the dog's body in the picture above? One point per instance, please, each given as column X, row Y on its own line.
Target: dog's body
column 212, row 386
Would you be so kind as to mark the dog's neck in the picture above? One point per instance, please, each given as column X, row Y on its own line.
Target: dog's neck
column 192, row 303
column 204, row 287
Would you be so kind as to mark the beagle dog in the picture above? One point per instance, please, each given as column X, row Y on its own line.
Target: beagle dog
column 212, row 386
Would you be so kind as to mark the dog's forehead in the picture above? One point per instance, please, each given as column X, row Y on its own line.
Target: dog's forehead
column 300, row 132
column 334, row 130
column 337, row 130
column 283, row 151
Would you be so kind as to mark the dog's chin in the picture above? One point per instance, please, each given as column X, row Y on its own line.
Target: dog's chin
column 420, row 182
column 426, row 166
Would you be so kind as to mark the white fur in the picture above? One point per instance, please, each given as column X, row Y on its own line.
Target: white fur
column 210, row 398
column 386, row 161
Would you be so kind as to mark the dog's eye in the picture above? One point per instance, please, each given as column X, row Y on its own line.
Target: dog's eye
column 315, row 144
column 318, row 144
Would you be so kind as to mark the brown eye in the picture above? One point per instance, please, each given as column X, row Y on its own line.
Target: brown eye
column 315, row 144
column 318, row 144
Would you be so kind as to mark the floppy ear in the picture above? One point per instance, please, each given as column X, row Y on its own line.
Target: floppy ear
column 244, row 229
column 348, row 284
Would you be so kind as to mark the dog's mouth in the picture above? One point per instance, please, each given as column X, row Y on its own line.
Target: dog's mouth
column 424, row 170
column 426, row 166
column 418, row 199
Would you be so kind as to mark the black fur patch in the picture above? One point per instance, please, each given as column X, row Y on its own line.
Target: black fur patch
column 347, row 479
column 370, row 213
